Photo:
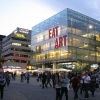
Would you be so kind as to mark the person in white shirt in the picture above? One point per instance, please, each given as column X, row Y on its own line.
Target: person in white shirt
column 87, row 80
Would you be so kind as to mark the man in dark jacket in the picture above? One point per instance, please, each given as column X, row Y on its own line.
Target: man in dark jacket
column 44, row 77
column 2, row 83
column 75, row 81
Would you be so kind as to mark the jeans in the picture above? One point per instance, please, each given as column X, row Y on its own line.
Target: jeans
column 86, row 87
column 75, row 91
column 58, row 93
column 1, row 90
column 64, row 90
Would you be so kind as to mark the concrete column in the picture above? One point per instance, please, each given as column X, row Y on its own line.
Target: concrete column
column 54, row 66
column 43, row 66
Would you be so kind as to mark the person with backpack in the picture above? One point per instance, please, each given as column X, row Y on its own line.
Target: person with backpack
column 75, row 81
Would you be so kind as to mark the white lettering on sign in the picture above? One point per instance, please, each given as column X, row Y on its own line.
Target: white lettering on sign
column 26, row 31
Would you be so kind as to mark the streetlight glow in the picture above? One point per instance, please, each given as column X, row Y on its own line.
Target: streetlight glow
column 90, row 26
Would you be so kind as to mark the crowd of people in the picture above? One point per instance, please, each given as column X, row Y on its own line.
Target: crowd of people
column 6, row 77
column 82, row 82
column 79, row 82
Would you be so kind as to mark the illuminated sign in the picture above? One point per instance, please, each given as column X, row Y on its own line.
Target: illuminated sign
column 16, row 67
column 20, row 35
column 60, row 41
column 21, row 30
column 22, row 58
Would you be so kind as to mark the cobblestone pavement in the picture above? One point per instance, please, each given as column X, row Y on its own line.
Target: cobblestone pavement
column 33, row 91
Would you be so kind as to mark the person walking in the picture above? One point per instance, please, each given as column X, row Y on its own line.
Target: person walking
column 53, row 79
column 7, row 78
column 44, row 78
column 92, row 84
column 28, row 77
column 2, row 83
column 64, row 81
column 49, row 79
column 57, row 86
column 75, row 84
column 87, row 80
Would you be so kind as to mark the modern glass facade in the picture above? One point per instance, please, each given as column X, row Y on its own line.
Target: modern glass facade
column 66, row 36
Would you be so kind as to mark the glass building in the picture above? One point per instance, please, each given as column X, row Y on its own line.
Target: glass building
column 66, row 36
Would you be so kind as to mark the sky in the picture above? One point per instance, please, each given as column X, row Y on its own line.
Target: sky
column 28, row 13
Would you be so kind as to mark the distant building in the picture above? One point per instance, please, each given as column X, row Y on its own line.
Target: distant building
column 1, row 38
column 16, row 49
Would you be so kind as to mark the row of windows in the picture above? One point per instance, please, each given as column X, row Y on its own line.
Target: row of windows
column 20, row 44
column 84, row 55
column 16, row 49
column 17, row 44
column 19, row 55
column 82, row 17
column 20, row 61
column 18, row 39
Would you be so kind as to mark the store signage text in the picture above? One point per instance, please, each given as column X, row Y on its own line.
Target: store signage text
column 21, row 30
column 60, row 41
column 20, row 35
column 17, row 67
column 22, row 58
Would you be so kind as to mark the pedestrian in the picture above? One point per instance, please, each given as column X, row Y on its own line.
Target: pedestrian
column 28, row 77
column 53, row 79
column 64, row 81
column 22, row 77
column 87, row 80
column 49, row 79
column 7, row 76
column 92, row 84
column 75, row 84
column 81, row 84
column 57, row 86
column 44, row 77
column 2, row 83
column 97, row 84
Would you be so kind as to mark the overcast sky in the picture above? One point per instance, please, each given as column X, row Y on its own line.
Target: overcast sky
column 27, row 13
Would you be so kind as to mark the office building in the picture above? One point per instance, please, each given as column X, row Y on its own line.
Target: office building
column 16, row 49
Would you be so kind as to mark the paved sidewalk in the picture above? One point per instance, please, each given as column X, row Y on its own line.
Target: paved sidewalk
column 32, row 91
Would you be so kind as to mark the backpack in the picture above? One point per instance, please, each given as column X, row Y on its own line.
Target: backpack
column 75, row 82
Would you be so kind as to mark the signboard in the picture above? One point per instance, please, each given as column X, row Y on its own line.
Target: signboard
column 59, row 41
column 19, row 35
column 22, row 58
column 21, row 30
